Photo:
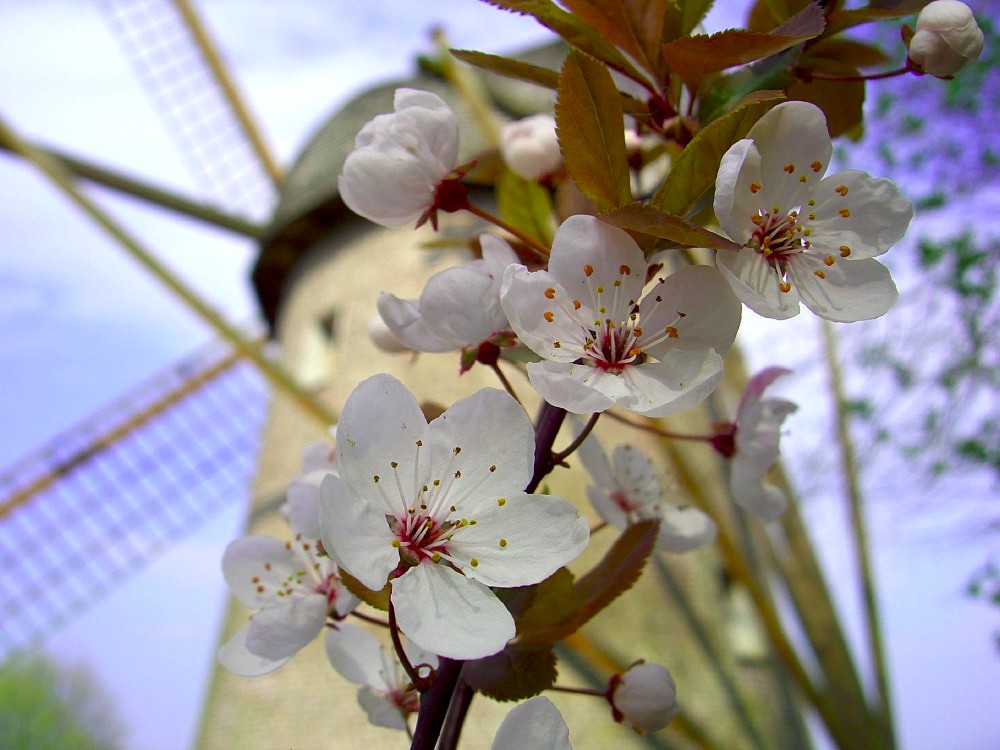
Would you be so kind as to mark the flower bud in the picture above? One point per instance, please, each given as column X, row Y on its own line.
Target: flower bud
column 947, row 37
column 529, row 147
column 645, row 696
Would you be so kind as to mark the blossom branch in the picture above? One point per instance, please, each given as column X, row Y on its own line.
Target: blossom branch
column 808, row 75
column 539, row 249
column 558, row 458
column 645, row 427
column 418, row 682
column 504, row 381
column 434, row 705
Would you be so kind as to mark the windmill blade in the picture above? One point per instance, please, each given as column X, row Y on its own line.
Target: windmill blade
column 100, row 502
column 181, row 70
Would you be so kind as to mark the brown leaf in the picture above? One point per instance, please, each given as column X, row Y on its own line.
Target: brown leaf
column 590, row 125
column 841, row 101
column 635, row 26
column 694, row 57
column 520, row 671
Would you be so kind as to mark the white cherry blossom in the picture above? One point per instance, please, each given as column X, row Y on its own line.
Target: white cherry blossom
column 947, row 38
column 385, row 694
column 627, row 489
column 302, row 499
column 602, row 341
column 459, row 307
column 751, row 441
column 535, row 724
column 400, row 160
column 806, row 237
column 645, row 696
column 293, row 590
column 439, row 510
column 529, row 146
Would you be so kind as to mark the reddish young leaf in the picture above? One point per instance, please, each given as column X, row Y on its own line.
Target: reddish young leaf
column 694, row 57
column 591, row 129
column 635, row 26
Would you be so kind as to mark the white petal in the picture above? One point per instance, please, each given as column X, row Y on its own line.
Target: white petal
column 636, row 476
column 595, row 461
column 381, row 711
column 457, row 305
column 534, row 725
column 711, row 312
column 848, row 291
column 756, row 386
column 387, row 187
column 571, row 387
column 606, row 507
column 684, row 529
column 488, row 464
column 681, row 380
column 521, row 542
column 235, row 657
column 381, row 423
column 405, row 320
column 794, row 142
column 282, row 630
column 583, row 241
column 256, row 567
column 750, row 491
column 524, row 300
column 357, row 656
column 303, row 504
column 448, row 614
column 756, row 284
column 356, row 534
column 497, row 255
column 433, row 119
column 878, row 215
column 735, row 200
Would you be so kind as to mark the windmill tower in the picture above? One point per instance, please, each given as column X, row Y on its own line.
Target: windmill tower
column 316, row 290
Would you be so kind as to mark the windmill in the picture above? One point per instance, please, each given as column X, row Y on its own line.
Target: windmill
column 305, row 227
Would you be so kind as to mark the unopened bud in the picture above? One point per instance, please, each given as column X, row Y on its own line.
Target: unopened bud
column 529, row 147
column 947, row 37
column 645, row 696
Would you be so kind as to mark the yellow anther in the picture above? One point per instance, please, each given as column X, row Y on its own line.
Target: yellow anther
column 493, row 468
column 845, row 212
column 803, row 179
column 754, row 187
column 396, row 543
column 812, row 201
column 576, row 304
column 816, row 166
column 375, row 479
column 549, row 316
column 435, row 557
column 600, row 289
column 671, row 332
column 501, row 501
column 503, row 542
column 550, row 293
column 624, row 270
column 474, row 562
column 844, row 251
column 829, row 260
column 637, row 331
column 842, row 189
column 784, row 286
column 556, row 345
column 393, row 464
column 588, row 270
column 789, row 167
column 820, row 274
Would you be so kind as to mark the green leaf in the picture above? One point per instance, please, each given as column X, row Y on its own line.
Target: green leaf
column 727, row 91
column 525, row 205
column 590, row 125
column 520, row 671
column 634, row 26
column 694, row 171
column 695, row 57
column 576, row 33
column 510, row 68
column 377, row 599
column 647, row 219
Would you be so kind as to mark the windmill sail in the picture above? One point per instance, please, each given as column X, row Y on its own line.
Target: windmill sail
column 101, row 501
column 181, row 71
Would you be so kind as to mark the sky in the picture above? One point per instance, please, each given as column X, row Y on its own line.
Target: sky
column 80, row 324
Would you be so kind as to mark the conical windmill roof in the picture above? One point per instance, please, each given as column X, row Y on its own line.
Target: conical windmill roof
column 310, row 204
